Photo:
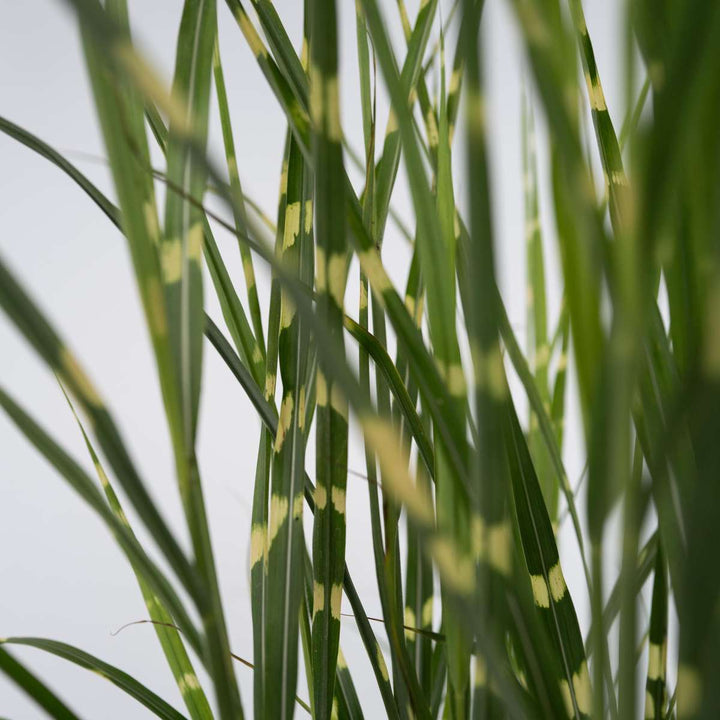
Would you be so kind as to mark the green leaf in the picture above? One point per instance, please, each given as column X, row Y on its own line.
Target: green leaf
column 35, row 688
column 125, row 682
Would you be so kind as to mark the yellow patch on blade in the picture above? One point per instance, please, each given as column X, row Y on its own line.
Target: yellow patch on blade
column 689, row 691
column 432, row 128
column 475, row 110
column 332, row 110
column 409, row 622
column 232, row 166
column 711, row 349
column 278, row 515
column 321, row 394
column 382, row 665
column 320, row 269
column 195, row 242
column 292, row 224
column 363, row 296
column 301, row 408
column 595, row 92
column 151, row 221
column 649, row 706
column 284, row 179
column 269, row 385
column 251, row 35
column 531, row 227
column 454, row 85
column 557, row 584
column 256, row 355
column 287, row 311
column 374, row 271
column 543, row 356
column 249, row 272
column 298, row 506
column 304, row 54
column 619, row 178
column 540, row 591
column 308, row 216
column 338, row 401
column 657, row 657
column 480, row 673
column 318, row 598
column 583, row 693
column 410, row 305
column 341, row 662
column 456, row 571
column 155, row 299
column 392, row 125
column 336, row 277
column 455, row 380
column 477, row 535
column 150, row 85
column 76, row 378
column 257, row 544
column 490, row 371
column 191, row 681
column 338, row 500
column 567, row 697
column 336, row 601
column 316, row 94
column 101, row 474
column 562, row 362
column 499, row 547
column 393, row 462
column 427, row 612
column 284, row 421
column 171, row 258
column 320, row 497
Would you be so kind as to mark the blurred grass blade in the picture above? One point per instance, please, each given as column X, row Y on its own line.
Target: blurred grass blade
column 35, row 688
column 537, row 334
column 40, row 334
column 125, row 682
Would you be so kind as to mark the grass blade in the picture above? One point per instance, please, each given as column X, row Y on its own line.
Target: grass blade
column 170, row 640
column 332, row 430
column 125, row 682
column 35, row 689
column 285, row 539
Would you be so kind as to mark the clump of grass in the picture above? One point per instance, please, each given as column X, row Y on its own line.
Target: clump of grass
column 450, row 466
